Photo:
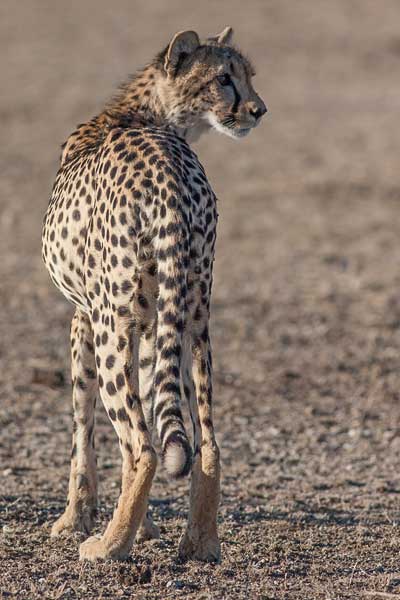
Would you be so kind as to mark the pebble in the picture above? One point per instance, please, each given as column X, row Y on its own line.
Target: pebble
column 177, row 583
column 7, row 529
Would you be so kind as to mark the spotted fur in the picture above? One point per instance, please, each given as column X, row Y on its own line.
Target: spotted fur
column 129, row 239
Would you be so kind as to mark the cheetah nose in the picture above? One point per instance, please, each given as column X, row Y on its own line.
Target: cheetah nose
column 258, row 111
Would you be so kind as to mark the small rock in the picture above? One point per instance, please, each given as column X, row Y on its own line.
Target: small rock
column 176, row 583
column 7, row 530
column 145, row 575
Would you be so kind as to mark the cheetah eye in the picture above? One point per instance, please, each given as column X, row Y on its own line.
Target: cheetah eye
column 224, row 79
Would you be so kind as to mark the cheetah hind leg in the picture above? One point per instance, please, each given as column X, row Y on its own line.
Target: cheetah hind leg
column 148, row 530
column 200, row 540
column 82, row 494
column 139, row 459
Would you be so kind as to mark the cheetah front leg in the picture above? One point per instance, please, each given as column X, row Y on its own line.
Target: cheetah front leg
column 200, row 541
column 82, row 493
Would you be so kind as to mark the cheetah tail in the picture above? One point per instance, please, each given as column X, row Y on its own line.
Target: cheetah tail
column 171, row 264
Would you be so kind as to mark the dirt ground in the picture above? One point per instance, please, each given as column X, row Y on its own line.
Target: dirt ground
column 306, row 311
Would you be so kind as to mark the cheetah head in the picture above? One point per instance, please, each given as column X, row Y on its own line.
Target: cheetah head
column 208, row 84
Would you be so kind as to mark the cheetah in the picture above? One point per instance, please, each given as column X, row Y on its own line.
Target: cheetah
column 128, row 238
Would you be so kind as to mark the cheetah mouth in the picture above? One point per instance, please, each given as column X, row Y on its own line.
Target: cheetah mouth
column 242, row 131
column 228, row 126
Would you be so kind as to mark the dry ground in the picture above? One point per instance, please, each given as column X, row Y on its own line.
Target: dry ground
column 306, row 311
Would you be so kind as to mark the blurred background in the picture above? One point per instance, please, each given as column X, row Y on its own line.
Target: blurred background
column 306, row 309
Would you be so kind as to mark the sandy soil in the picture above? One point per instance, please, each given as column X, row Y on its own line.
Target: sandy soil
column 306, row 310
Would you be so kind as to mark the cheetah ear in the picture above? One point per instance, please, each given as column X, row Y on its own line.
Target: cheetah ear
column 182, row 44
column 225, row 37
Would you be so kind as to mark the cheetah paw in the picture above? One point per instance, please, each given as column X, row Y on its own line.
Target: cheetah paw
column 96, row 548
column 147, row 531
column 93, row 549
column 198, row 547
column 71, row 521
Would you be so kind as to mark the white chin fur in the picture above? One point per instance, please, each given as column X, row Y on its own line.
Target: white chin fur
column 212, row 119
column 174, row 459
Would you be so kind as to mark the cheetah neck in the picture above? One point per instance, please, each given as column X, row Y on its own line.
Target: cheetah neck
column 148, row 99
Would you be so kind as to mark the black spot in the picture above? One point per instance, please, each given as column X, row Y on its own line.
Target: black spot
column 123, row 311
column 120, row 380
column 170, row 388
column 126, row 286
column 126, row 262
column 143, row 301
column 121, row 180
column 114, row 260
column 169, row 318
column 122, row 415
column 115, row 136
column 121, row 343
column 111, row 389
column 110, row 361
